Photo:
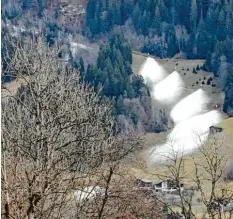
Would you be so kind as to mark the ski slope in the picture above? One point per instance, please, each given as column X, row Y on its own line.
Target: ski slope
column 169, row 90
column 152, row 72
column 186, row 136
column 190, row 113
column 192, row 105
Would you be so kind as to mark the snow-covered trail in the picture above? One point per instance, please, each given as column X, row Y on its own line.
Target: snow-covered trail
column 194, row 104
column 190, row 114
column 152, row 72
column 169, row 90
column 186, row 136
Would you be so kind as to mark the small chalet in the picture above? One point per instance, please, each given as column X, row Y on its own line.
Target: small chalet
column 159, row 186
column 167, row 185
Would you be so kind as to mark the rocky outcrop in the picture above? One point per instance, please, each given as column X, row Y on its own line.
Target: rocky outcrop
column 215, row 129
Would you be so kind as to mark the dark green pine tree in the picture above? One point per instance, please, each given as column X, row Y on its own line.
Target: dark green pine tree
column 193, row 15
column 163, row 11
column 103, row 55
column 120, row 105
column 203, row 42
column 26, row 4
column 207, row 65
column 146, row 23
column 136, row 18
column 157, row 19
column 228, row 102
column 172, row 45
column 215, row 61
column 93, row 17
column 138, row 84
column 205, row 7
column 82, row 68
column 229, row 23
column 90, row 75
column 221, row 29
column 116, row 13
column 127, row 8
column 189, row 46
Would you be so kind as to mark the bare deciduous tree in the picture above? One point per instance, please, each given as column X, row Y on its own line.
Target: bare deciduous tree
column 58, row 144
column 210, row 171
column 206, row 183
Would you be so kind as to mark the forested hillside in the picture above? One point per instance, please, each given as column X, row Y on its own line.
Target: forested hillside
column 112, row 76
column 200, row 29
column 195, row 29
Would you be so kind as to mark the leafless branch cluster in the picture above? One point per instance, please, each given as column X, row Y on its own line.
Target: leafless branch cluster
column 60, row 156
column 206, row 192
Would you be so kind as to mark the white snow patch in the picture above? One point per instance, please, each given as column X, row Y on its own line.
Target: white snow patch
column 169, row 90
column 88, row 193
column 196, row 125
column 22, row 30
column 15, row 31
column 186, row 136
column 192, row 105
column 151, row 71
column 82, row 46
column 75, row 46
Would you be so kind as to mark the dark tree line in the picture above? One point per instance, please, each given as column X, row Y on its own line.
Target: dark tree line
column 207, row 23
column 228, row 104
column 202, row 29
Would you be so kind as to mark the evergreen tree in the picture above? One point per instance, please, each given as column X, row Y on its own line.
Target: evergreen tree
column 203, row 42
column 120, row 105
column 157, row 19
column 221, row 30
column 90, row 74
column 229, row 25
column 205, row 7
column 193, row 15
column 26, row 4
column 172, row 45
column 82, row 68
column 92, row 18
column 228, row 102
